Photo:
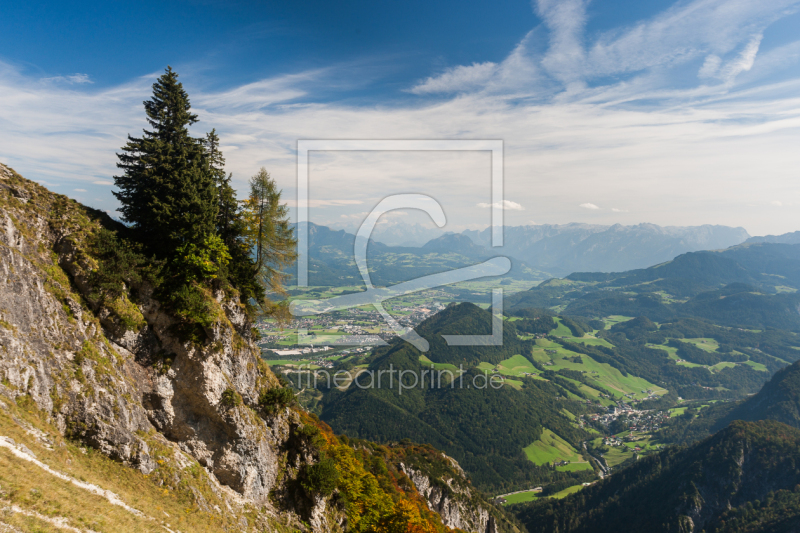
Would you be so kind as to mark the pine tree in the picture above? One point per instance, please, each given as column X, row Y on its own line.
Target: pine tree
column 167, row 189
column 232, row 226
column 230, row 222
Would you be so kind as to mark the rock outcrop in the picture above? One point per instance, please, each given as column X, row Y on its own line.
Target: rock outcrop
column 453, row 499
column 117, row 389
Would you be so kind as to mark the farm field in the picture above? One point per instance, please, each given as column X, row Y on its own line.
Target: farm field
column 613, row 320
column 574, row 467
column 606, row 378
column 438, row 366
column 566, row 492
column 521, row 497
column 551, row 448
column 618, row 454
column 561, row 330
column 531, row 496
column 708, row 345
column 516, row 365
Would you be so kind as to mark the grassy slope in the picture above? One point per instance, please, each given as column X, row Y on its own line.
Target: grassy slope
column 551, row 448
column 35, row 490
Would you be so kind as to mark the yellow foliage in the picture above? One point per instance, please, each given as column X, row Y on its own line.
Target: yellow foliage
column 368, row 505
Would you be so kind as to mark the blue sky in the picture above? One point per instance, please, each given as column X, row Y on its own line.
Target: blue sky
column 676, row 113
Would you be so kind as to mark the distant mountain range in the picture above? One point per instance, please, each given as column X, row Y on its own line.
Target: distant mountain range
column 563, row 249
column 332, row 262
column 786, row 238
column 538, row 252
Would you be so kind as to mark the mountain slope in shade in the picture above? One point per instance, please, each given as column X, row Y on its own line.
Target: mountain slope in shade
column 751, row 285
column 562, row 249
column 779, row 400
column 748, row 472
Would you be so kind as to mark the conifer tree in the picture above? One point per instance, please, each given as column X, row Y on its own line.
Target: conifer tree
column 230, row 222
column 232, row 226
column 270, row 237
column 167, row 188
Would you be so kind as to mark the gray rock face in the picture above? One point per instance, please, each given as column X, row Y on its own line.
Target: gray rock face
column 108, row 385
column 452, row 501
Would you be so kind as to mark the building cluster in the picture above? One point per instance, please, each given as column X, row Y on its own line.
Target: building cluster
column 365, row 325
column 639, row 421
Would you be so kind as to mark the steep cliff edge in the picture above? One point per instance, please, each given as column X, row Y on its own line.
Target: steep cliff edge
column 444, row 485
column 196, row 411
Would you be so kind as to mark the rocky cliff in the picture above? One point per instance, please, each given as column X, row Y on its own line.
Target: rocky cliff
column 452, row 500
column 118, row 374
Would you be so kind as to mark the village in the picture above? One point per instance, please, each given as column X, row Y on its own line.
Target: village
column 338, row 332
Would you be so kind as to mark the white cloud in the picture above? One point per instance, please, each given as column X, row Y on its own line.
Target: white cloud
column 78, row 79
column 744, row 61
column 507, row 205
column 79, row 190
column 566, row 19
column 617, row 210
column 612, row 138
column 587, row 205
column 710, row 66
column 456, row 79
column 777, row 203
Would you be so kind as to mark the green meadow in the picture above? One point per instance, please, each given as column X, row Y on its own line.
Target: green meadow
column 551, row 448
column 527, row 496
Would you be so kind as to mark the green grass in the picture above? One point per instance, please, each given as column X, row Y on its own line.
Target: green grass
column 574, row 467
column 604, row 377
column 516, row 365
column 513, row 383
column 561, row 330
column 676, row 411
column 527, row 496
column 438, row 366
column 551, row 448
column 709, row 345
column 613, row 320
column 590, row 340
column 756, row 366
column 566, row 492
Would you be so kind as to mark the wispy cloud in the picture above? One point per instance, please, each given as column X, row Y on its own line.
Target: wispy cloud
column 505, row 204
column 599, row 114
column 587, row 205
column 565, row 58
column 456, row 79
column 78, row 79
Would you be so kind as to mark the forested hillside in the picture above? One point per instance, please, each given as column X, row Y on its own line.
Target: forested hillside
column 744, row 478
column 483, row 427
column 751, row 286
column 779, row 400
